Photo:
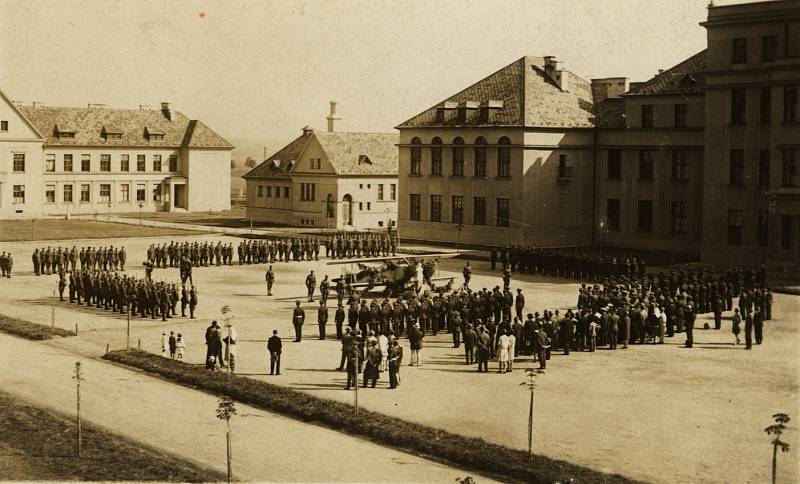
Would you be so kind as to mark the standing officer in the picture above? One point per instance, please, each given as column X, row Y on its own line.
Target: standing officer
column 689, row 317
column 467, row 275
column 748, row 331
column 274, row 346
column 519, row 304
column 322, row 318
column 758, row 324
column 324, row 289
column 270, row 280
column 339, row 320
column 192, row 301
column 298, row 318
column 311, row 283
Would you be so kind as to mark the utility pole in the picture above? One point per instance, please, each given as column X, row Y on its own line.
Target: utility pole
column 78, row 377
column 53, row 310
column 128, row 339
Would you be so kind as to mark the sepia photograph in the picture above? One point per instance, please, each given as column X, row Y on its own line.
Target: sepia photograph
column 412, row 241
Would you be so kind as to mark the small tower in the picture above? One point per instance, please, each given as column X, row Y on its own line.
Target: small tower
column 332, row 117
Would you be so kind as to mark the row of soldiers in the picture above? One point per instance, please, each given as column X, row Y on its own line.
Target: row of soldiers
column 345, row 246
column 281, row 249
column 112, row 291
column 52, row 260
column 200, row 254
column 6, row 264
column 568, row 263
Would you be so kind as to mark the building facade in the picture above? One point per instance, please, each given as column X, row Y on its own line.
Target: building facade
column 335, row 180
column 98, row 160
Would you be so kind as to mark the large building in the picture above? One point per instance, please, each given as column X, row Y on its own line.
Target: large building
column 56, row 161
column 701, row 159
column 341, row 180
column 507, row 160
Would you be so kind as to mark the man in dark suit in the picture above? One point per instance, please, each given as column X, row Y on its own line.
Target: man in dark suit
column 567, row 328
column 274, row 346
column 322, row 319
column 758, row 324
column 338, row 318
column 689, row 317
column 298, row 318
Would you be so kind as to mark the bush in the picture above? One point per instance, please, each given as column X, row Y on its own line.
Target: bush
column 29, row 330
column 437, row 444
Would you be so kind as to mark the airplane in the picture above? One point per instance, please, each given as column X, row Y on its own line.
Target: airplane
column 396, row 274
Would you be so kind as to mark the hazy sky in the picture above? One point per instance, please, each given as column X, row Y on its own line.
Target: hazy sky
column 264, row 69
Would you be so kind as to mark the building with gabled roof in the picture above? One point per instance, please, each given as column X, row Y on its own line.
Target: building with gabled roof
column 98, row 159
column 341, row 180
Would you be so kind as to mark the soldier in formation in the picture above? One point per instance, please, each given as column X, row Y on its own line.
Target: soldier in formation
column 200, row 254
column 567, row 262
column 6, row 264
column 347, row 246
column 280, row 249
column 52, row 260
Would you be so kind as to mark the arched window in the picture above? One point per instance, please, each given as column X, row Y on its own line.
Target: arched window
column 504, row 158
column 330, row 206
column 458, row 156
column 480, row 157
column 436, row 156
column 416, row 157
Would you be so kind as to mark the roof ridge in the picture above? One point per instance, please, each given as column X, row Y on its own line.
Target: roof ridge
column 666, row 73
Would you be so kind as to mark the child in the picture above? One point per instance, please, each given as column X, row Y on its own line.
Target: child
column 172, row 344
column 180, row 347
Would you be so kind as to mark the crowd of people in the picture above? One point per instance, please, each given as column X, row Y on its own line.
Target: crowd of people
column 569, row 263
column 52, row 260
column 112, row 291
column 200, row 254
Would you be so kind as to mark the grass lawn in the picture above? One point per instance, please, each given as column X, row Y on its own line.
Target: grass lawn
column 17, row 230
column 41, row 444
column 234, row 218
column 29, row 330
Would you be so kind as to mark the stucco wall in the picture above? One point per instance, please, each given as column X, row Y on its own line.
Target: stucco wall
column 209, row 179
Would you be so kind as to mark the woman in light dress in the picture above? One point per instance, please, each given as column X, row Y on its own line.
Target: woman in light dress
column 383, row 345
column 180, row 347
column 503, row 344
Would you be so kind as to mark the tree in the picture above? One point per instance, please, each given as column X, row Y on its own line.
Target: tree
column 225, row 410
column 531, row 374
column 250, row 162
column 781, row 419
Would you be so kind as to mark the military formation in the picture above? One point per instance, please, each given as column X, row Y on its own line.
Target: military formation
column 203, row 254
column 115, row 292
column 281, row 249
column 6, row 264
column 52, row 260
column 347, row 246
column 569, row 263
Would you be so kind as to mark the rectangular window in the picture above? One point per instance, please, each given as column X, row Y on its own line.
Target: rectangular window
column 19, row 162
column 436, row 208
column 140, row 163
column 789, row 104
column 416, row 160
column 458, row 209
column 678, row 217
column 503, row 212
column 157, row 193
column 645, row 215
column 316, row 163
column 105, row 162
column 285, row 192
column 613, row 214
column 647, row 116
column 480, row 161
column 765, row 110
column 738, row 106
column 86, row 162
column 739, row 51
column 769, row 48
column 563, row 172
column 458, row 160
column 681, row 116
column 680, row 167
column 369, row 206
column 141, row 192
column 173, row 163
column 762, row 235
column 789, row 171
column 156, row 163
column 308, row 191
column 105, row 192
column 415, row 206
column 50, row 193
column 67, row 193
column 3, row 125
column 436, row 161
column 393, row 191
column 735, row 227
column 86, row 193
column 67, row 162
column 479, row 211
column 763, row 169
column 736, row 175
column 124, row 162
column 786, row 232
column 504, row 162
column 125, row 193
column 269, row 191
column 260, row 191
column 50, row 162
column 380, row 191
column 614, row 164
column 646, row 160
column 19, row 194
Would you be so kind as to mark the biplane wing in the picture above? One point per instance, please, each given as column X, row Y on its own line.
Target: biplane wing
column 441, row 255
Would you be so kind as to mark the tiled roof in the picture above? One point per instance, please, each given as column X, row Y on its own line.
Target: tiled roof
column 688, row 77
column 361, row 153
column 280, row 164
column 348, row 153
column 610, row 113
column 88, row 124
column 530, row 98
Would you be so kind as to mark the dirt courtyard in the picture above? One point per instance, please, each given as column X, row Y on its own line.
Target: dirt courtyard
column 660, row 413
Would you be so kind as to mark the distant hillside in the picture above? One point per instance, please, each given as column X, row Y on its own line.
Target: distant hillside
column 245, row 147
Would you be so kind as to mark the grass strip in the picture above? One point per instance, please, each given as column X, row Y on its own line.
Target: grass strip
column 29, row 330
column 469, row 453
column 47, row 439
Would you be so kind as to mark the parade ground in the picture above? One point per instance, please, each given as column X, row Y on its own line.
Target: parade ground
column 658, row 413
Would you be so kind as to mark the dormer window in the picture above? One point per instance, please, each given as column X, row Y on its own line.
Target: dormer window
column 316, row 164
column 108, row 133
column 364, row 160
column 64, row 132
column 153, row 135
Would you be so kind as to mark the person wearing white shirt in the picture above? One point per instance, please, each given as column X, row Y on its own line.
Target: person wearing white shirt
column 503, row 344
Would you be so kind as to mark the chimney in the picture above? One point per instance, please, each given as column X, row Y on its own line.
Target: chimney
column 660, row 71
column 37, row 104
column 444, row 111
column 307, row 130
column 562, row 79
column 165, row 110
column 332, row 117
column 550, row 64
column 609, row 88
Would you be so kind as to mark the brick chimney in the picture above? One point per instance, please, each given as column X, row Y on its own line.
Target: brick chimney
column 332, row 117
column 166, row 111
